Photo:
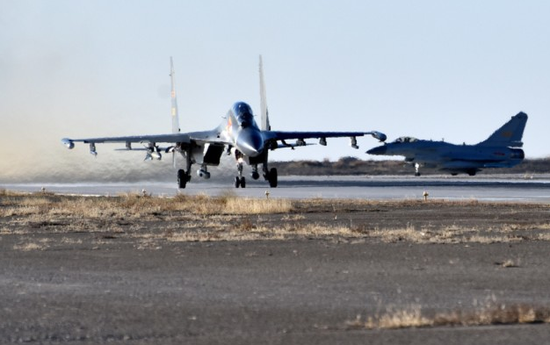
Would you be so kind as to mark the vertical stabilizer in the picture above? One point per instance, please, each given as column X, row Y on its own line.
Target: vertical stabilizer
column 509, row 134
column 265, row 126
column 174, row 109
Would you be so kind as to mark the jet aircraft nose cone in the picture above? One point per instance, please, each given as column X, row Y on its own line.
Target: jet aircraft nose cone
column 250, row 143
column 379, row 150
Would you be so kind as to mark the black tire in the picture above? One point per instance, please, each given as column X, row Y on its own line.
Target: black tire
column 255, row 175
column 182, row 179
column 243, row 182
column 273, row 178
column 237, row 182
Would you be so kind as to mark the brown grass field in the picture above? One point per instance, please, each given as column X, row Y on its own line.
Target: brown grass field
column 230, row 218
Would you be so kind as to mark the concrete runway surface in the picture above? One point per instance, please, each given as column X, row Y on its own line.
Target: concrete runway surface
column 482, row 188
column 275, row 292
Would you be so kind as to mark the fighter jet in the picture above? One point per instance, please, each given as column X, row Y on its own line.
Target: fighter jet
column 500, row 150
column 238, row 135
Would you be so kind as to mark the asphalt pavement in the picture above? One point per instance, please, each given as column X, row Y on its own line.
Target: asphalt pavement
column 263, row 292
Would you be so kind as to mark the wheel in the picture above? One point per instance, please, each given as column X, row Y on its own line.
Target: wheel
column 243, row 182
column 273, row 178
column 417, row 174
column 237, row 182
column 255, row 175
column 182, row 179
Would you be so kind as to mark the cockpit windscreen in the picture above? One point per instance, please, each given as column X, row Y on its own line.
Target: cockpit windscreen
column 244, row 115
column 405, row 140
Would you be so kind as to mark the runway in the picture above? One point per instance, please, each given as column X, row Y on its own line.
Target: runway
column 484, row 188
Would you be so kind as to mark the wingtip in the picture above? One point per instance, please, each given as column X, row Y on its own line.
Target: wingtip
column 68, row 143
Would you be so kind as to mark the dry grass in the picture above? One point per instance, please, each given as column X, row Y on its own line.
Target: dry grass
column 256, row 206
column 228, row 217
column 136, row 205
column 7, row 192
column 30, row 246
column 494, row 314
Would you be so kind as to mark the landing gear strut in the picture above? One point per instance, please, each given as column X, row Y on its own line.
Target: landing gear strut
column 416, row 167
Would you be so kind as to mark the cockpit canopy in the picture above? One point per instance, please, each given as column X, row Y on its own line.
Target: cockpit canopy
column 405, row 140
column 244, row 115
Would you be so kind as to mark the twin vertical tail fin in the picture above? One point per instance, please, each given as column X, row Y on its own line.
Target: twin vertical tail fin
column 509, row 134
column 265, row 126
column 174, row 109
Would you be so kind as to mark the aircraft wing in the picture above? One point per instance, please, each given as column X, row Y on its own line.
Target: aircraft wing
column 283, row 135
column 152, row 140
column 160, row 138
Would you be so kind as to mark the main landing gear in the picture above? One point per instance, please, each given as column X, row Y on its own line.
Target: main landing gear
column 184, row 176
column 272, row 177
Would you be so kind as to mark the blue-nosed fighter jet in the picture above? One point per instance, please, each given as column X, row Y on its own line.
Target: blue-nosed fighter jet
column 238, row 135
column 500, row 150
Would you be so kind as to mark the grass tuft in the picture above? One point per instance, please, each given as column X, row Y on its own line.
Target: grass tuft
column 413, row 317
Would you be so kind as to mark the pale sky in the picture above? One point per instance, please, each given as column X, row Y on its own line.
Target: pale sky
column 429, row 69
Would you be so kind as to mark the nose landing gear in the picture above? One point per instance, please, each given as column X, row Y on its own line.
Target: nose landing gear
column 417, row 169
column 240, row 181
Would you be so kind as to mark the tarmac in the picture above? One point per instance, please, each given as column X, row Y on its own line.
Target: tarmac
column 515, row 188
column 274, row 292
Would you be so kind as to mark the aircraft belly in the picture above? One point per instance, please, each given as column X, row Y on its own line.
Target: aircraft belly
column 213, row 154
column 426, row 160
column 461, row 165
column 208, row 154
column 260, row 159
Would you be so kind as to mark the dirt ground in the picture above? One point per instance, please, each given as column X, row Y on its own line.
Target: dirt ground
column 313, row 274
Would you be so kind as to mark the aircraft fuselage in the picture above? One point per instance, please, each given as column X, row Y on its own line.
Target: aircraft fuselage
column 450, row 157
